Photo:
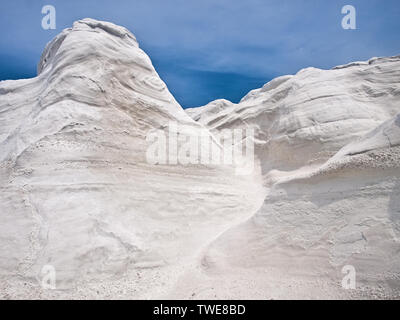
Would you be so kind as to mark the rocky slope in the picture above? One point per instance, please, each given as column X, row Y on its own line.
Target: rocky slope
column 308, row 117
column 77, row 191
column 328, row 144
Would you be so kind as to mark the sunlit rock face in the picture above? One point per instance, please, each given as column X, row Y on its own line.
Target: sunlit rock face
column 78, row 193
column 308, row 117
column 328, row 142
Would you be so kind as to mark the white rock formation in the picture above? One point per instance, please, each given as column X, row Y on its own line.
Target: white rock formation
column 77, row 193
column 329, row 149
column 76, row 190
column 308, row 117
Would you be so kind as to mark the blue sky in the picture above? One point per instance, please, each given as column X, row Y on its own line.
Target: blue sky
column 210, row 49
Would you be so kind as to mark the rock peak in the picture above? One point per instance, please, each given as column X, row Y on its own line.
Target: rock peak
column 106, row 29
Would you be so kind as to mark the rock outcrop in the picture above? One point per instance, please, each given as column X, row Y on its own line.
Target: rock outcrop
column 79, row 194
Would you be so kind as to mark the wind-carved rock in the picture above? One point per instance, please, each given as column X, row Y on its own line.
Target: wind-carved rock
column 78, row 196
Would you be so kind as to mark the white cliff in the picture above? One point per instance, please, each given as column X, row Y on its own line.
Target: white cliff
column 329, row 149
column 78, row 193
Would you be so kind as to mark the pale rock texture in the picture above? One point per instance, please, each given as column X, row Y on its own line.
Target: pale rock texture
column 76, row 190
column 329, row 148
column 77, row 193
column 308, row 117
